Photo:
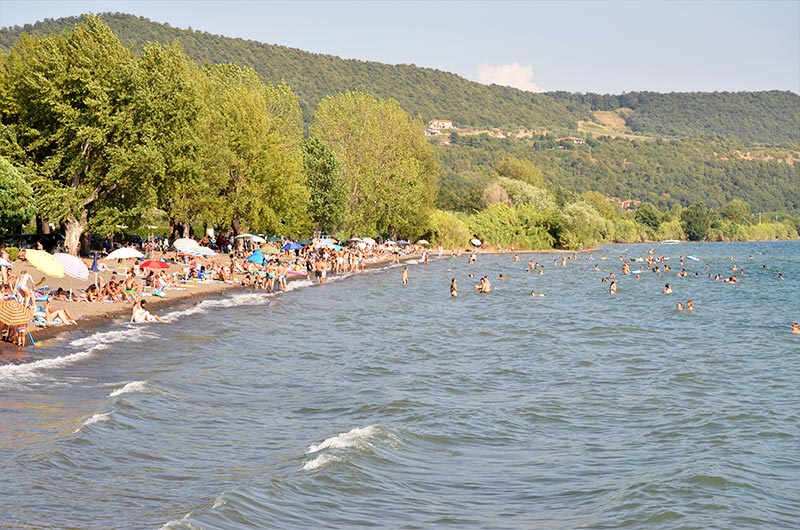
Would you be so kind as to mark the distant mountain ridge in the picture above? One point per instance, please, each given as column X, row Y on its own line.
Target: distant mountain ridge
column 754, row 118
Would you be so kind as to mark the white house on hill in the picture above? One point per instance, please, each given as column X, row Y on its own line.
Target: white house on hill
column 440, row 124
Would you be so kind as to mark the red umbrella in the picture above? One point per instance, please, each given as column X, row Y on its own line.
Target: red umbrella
column 154, row 264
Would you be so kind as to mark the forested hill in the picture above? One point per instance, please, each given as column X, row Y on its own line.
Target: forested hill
column 763, row 118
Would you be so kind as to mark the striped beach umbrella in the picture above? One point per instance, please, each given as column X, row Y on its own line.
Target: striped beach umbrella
column 13, row 313
column 74, row 267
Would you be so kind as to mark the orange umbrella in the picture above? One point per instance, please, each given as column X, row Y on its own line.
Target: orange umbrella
column 13, row 313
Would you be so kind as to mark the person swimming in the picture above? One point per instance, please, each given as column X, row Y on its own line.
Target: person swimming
column 667, row 289
column 679, row 306
column 796, row 327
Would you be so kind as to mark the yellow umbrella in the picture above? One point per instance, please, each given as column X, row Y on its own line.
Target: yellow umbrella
column 45, row 262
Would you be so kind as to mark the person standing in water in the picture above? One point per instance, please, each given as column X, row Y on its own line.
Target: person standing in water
column 453, row 288
column 405, row 275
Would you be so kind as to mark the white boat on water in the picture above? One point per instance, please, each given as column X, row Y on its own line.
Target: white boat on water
column 670, row 242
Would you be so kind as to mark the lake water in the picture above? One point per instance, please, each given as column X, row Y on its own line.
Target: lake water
column 367, row 403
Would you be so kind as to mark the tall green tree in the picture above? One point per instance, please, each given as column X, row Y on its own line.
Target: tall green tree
column 328, row 191
column 167, row 111
column 520, row 169
column 696, row 221
column 737, row 211
column 254, row 141
column 648, row 215
column 66, row 110
column 389, row 167
column 16, row 197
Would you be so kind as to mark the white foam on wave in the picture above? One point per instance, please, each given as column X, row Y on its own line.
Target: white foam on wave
column 181, row 524
column 23, row 373
column 298, row 284
column 240, row 299
column 130, row 333
column 104, row 416
column 355, row 438
column 319, row 461
column 141, row 387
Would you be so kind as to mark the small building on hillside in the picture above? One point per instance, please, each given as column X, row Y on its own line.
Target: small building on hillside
column 440, row 124
column 574, row 139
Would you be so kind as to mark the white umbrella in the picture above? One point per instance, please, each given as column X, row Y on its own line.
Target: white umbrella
column 252, row 237
column 370, row 241
column 422, row 242
column 74, row 267
column 125, row 253
column 184, row 244
column 201, row 251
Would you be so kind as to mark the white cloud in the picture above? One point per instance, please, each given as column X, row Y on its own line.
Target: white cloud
column 513, row 75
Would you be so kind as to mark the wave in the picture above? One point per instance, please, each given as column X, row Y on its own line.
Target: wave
column 319, row 461
column 358, row 438
column 22, row 373
column 141, row 387
column 104, row 416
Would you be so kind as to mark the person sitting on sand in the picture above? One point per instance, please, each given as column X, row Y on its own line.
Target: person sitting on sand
column 92, row 294
column 51, row 314
column 141, row 314
column 132, row 287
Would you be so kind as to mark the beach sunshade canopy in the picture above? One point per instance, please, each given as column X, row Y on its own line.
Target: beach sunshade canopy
column 403, row 243
column 242, row 236
column 252, row 237
column 185, row 243
column 423, row 242
column 475, row 241
column 270, row 250
column 45, row 262
column 305, row 241
column 74, row 267
column 125, row 253
column 257, row 257
column 4, row 263
column 370, row 241
column 13, row 313
column 355, row 240
column 292, row 246
column 201, row 251
column 274, row 239
column 154, row 264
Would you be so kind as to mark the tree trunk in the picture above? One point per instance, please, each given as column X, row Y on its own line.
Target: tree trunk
column 73, row 230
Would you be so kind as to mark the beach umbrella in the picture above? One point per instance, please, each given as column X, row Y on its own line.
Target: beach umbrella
column 370, row 241
column 252, row 237
column 292, row 246
column 74, row 267
column 45, row 262
column 125, row 253
column 274, row 239
column 4, row 263
column 183, row 244
column 475, row 241
column 256, row 257
column 305, row 242
column 403, row 243
column 355, row 240
column 13, row 313
column 154, row 264
column 423, row 242
column 95, row 269
column 269, row 250
column 201, row 251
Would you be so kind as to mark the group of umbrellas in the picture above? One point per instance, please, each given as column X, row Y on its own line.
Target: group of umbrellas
column 59, row 265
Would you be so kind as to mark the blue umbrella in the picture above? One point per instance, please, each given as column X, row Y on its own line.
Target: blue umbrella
column 291, row 246
column 257, row 257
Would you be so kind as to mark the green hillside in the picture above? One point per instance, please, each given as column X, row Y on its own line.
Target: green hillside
column 754, row 118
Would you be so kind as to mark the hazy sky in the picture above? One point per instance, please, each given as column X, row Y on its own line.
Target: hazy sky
column 577, row 46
